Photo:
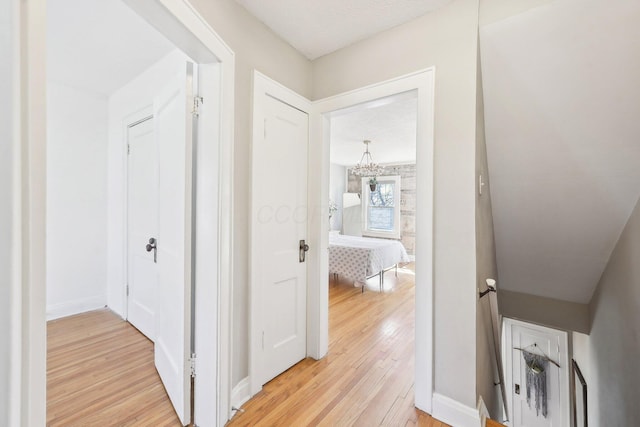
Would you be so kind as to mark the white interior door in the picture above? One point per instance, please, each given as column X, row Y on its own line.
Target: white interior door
column 142, row 224
column 280, row 223
column 539, row 340
column 173, row 133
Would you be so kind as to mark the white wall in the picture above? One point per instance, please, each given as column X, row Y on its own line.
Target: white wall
column 76, row 201
column 565, row 315
column 608, row 356
column 255, row 47
column 134, row 97
column 446, row 38
column 337, row 186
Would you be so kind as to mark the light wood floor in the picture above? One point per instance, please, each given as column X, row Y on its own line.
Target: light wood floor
column 100, row 369
column 367, row 377
column 100, row 372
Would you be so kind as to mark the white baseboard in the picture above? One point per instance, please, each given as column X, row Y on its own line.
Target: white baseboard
column 240, row 394
column 70, row 308
column 483, row 412
column 454, row 413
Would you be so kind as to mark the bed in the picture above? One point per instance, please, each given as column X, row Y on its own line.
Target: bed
column 360, row 258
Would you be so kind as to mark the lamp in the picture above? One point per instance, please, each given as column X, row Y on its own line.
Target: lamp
column 366, row 167
column 350, row 200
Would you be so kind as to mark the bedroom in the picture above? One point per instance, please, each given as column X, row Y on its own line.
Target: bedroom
column 372, row 251
column 373, row 191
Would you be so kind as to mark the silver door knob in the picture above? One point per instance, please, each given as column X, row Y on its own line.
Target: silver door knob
column 152, row 246
column 303, row 250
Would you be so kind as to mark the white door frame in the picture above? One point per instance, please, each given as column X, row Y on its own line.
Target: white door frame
column 507, row 360
column 11, row 211
column 265, row 86
column 180, row 23
column 318, row 285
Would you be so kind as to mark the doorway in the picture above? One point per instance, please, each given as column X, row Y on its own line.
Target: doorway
column 422, row 82
column 372, row 183
column 381, row 137
column 81, row 172
column 536, row 374
column 212, row 211
column 317, row 257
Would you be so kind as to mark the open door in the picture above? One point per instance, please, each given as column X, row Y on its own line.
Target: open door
column 173, row 130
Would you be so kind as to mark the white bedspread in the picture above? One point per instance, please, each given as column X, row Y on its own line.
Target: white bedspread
column 357, row 258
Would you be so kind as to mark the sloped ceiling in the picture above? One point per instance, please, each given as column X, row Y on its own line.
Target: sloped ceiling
column 99, row 45
column 562, row 114
column 319, row 27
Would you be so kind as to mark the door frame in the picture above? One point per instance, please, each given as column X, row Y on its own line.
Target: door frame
column 507, row 360
column 265, row 86
column 318, row 286
column 180, row 23
column 12, row 265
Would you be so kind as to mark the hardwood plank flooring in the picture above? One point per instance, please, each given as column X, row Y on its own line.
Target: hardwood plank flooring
column 100, row 369
column 100, row 372
column 367, row 377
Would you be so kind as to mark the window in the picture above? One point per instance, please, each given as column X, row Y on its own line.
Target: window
column 381, row 208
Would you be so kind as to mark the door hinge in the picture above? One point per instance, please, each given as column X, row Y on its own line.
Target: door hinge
column 192, row 365
column 197, row 102
column 127, row 290
column 128, row 149
column 265, row 129
column 263, row 340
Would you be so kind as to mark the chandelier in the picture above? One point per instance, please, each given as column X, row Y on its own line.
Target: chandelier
column 366, row 167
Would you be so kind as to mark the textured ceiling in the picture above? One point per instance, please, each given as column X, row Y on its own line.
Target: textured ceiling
column 319, row 27
column 99, row 45
column 561, row 96
column 390, row 123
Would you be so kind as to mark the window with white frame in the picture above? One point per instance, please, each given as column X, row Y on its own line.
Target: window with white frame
column 381, row 207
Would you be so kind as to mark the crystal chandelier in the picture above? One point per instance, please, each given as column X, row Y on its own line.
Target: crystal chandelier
column 366, row 167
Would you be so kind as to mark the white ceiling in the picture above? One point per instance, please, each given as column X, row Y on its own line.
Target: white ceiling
column 389, row 123
column 99, row 45
column 318, row 27
column 561, row 96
